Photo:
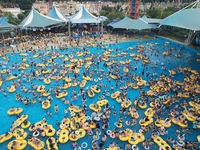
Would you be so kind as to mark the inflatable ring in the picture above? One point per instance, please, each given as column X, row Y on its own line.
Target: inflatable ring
column 98, row 132
column 36, row 133
column 78, row 148
column 96, row 137
column 96, row 80
column 99, row 79
column 112, row 135
column 107, row 94
column 84, row 145
column 135, row 147
column 91, row 133
column 109, row 132
column 72, row 114
column 128, row 123
column 97, row 118
column 118, row 125
column 181, row 143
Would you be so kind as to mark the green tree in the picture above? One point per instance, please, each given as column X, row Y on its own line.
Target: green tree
column 115, row 15
column 25, row 4
column 21, row 16
column 168, row 11
column 154, row 12
column 103, row 12
column 11, row 18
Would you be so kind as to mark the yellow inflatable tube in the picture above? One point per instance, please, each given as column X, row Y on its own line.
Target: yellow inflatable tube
column 24, row 126
column 73, row 137
column 14, row 111
column 40, row 88
column 47, row 81
column 5, row 137
column 38, row 146
column 63, row 137
column 90, row 93
column 115, row 95
column 95, row 107
column 66, row 85
column 123, row 138
column 46, row 71
column 174, row 120
column 11, row 77
column 19, row 134
column 83, row 83
column 46, row 104
column 87, row 78
column 146, row 123
column 95, row 89
column 11, row 89
column 60, row 95
column 54, row 143
column 20, row 144
column 51, row 131
column 102, row 102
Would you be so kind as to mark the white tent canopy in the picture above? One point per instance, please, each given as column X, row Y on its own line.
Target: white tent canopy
column 84, row 16
column 56, row 14
column 151, row 20
column 37, row 20
column 135, row 24
column 186, row 19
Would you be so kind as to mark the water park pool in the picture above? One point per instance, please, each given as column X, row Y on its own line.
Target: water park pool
column 137, row 63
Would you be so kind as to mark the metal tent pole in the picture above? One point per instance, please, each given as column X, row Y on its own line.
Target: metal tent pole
column 102, row 28
column 69, row 29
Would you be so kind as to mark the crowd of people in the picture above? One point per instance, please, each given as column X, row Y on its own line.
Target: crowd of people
column 118, row 72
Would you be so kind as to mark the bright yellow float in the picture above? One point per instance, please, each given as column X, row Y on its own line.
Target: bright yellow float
column 18, row 144
column 14, row 111
column 46, row 104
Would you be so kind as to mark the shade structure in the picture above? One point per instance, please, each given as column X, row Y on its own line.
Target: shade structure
column 56, row 14
column 3, row 19
column 139, row 24
column 186, row 19
column 154, row 23
column 112, row 22
column 5, row 25
column 84, row 16
column 37, row 20
column 151, row 20
column 125, row 23
column 135, row 24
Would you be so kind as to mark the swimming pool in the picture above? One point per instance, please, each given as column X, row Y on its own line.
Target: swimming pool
column 154, row 51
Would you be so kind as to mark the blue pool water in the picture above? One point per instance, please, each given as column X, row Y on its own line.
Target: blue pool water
column 36, row 113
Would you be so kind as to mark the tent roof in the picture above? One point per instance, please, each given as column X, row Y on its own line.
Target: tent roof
column 3, row 18
column 139, row 24
column 125, row 23
column 187, row 19
column 152, row 20
column 4, row 24
column 56, row 14
column 37, row 20
column 136, row 24
column 84, row 16
column 112, row 22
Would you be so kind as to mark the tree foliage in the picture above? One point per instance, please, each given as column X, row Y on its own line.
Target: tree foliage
column 16, row 20
column 111, row 13
column 160, row 13
column 23, row 4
